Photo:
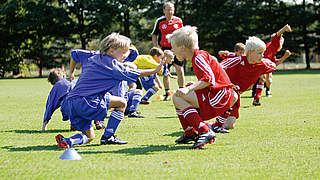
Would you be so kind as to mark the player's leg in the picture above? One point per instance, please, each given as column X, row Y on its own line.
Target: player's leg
column 268, row 84
column 119, row 104
column 188, row 105
column 259, row 89
column 134, row 99
column 166, row 83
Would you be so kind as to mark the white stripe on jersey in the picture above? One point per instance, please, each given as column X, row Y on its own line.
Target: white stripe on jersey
column 156, row 23
column 204, row 66
column 229, row 63
column 218, row 97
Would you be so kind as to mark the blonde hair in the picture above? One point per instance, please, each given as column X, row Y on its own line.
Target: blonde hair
column 239, row 46
column 186, row 36
column 168, row 53
column 114, row 40
column 254, row 43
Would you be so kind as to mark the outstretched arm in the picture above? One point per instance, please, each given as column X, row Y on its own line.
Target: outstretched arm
column 148, row 72
column 155, row 41
column 285, row 28
column 195, row 86
column 283, row 58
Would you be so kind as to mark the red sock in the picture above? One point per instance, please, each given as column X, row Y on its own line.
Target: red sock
column 259, row 89
column 220, row 120
column 193, row 118
column 188, row 129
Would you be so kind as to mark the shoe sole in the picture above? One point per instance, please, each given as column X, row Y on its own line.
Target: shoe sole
column 61, row 144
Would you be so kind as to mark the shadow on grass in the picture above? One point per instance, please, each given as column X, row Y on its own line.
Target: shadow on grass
column 31, row 148
column 175, row 134
column 143, row 150
column 27, row 131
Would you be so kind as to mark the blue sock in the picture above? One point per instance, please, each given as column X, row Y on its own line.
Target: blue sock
column 136, row 99
column 113, row 123
column 76, row 139
column 150, row 92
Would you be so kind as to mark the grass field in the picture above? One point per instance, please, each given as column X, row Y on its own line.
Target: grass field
column 279, row 140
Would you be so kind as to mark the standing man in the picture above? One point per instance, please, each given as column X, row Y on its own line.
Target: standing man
column 165, row 25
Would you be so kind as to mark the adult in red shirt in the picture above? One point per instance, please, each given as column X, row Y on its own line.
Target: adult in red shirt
column 164, row 26
column 210, row 96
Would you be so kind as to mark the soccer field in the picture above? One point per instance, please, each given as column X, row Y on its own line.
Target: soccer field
column 278, row 140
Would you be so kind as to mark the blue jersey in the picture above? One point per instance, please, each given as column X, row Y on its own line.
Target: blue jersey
column 165, row 70
column 132, row 56
column 100, row 73
column 56, row 99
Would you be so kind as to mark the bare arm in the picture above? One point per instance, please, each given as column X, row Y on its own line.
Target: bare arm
column 148, row 72
column 73, row 65
column 284, row 29
column 284, row 57
column 195, row 86
column 159, row 82
column 154, row 40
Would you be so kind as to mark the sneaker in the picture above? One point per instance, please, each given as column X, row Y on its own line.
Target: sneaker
column 145, row 102
column 256, row 102
column 166, row 98
column 219, row 129
column 186, row 139
column 72, row 128
column 204, row 138
column 62, row 144
column 99, row 125
column 134, row 114
column 111, row 140
column 268, row 94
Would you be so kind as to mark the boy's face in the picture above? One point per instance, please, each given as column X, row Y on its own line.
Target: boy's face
column 168, row 59
column 61, row 74
column 256, row 55
column 157, row 58
column 120, row 53
column 168, row 11
column 178, row 51
column 239, row 52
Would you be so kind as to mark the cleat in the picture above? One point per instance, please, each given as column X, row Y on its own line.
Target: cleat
column 166, row 98
column 204, row 138
column 145, row 102
column 62, row 144
column 256, row 102
column 219, row 129
column 111, row 140
column 134, row 114
column 126, row 113
column 268, row 93
column 72, row 128
column 99, row 125
column 186, row 139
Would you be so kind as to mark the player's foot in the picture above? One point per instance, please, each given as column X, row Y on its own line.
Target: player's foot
column 111, row 140
column 134, row 114
column 72, row 128
column 219, row 129
column 126, row 113
column 186, row 139
column 99, row 125
column 145, row 102
column 204, row 138
column 166, row 98
column 256, row 102
column 268, row 93
column 62, row 144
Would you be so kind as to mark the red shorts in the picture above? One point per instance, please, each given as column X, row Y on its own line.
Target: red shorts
column 213, row 103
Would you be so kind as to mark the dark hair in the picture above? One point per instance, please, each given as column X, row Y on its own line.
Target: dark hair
column 156, row 51
column 239, row 46
column 53, row 76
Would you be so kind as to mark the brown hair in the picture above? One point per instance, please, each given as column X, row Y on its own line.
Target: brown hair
column 156, row 51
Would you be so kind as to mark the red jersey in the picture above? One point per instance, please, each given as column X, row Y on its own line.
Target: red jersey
column 272, row 48
column 163, row 27
column 208, row 69
column 243, row 74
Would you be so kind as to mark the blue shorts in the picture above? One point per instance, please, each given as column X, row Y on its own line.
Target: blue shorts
column 148, row 82
column 165, row 70
column 82, row 110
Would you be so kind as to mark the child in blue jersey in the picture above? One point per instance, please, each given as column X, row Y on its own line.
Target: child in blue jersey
column 169, row 57
column 90, row 98
column 57, row 96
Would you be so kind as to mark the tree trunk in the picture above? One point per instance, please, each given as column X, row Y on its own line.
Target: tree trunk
column 305, row 38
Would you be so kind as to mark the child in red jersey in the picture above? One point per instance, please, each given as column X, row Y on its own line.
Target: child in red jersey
column 243, row 71
column 207, row 98
column 271, row 49
column 238, row 51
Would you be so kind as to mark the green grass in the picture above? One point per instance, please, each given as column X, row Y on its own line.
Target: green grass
column 279, row 140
